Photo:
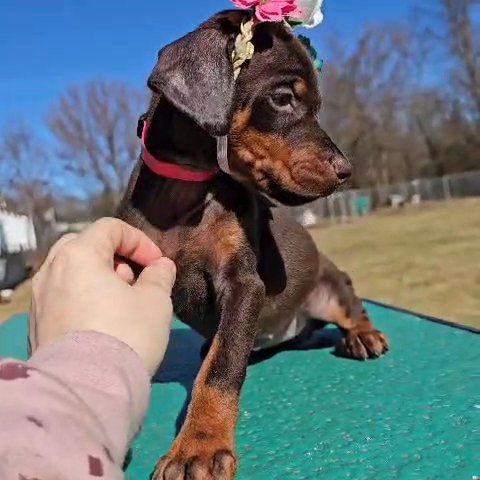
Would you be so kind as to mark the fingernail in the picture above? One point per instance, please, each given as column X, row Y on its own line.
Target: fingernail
column 168, row 264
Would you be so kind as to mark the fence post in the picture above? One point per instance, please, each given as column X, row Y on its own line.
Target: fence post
column 331, row 214
column 416, row 186
column 352, row 204
column 446, row 188
column 343, row 207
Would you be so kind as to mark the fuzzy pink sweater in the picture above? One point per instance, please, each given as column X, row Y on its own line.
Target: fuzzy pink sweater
column 72, row 410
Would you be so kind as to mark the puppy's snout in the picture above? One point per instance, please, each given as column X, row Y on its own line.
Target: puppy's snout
column 342, row 167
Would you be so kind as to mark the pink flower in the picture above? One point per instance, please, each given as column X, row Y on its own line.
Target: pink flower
column 271, row 10
column 245, row 3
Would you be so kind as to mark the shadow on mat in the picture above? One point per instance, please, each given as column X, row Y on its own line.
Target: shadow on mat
column 313, row 339
column 186, row 349
column 181, row 364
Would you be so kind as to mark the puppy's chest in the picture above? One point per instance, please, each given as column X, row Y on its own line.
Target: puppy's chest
column 201, row 253
column 194, row 297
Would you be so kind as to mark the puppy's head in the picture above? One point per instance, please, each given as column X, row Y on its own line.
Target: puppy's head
column 270, row 113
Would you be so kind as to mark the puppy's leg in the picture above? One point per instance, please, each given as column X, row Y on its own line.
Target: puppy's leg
column 204, row 448
column 333, row 300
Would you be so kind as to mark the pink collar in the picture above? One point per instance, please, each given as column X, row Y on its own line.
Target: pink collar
column 171, row 170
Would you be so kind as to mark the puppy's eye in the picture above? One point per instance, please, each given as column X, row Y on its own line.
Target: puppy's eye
column 282, row 100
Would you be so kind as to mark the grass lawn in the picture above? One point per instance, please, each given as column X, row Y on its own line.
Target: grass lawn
column 425, row 259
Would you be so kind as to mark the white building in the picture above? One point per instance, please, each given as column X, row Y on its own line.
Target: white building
column 17, row 233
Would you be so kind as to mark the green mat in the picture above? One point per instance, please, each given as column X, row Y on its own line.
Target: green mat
column 414, row 414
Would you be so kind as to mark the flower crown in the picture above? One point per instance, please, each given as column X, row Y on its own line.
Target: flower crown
column 294, row 13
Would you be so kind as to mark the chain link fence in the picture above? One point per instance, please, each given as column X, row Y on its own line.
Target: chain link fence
column 342, row 206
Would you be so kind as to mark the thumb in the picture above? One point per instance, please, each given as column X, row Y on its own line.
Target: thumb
column 160, row 274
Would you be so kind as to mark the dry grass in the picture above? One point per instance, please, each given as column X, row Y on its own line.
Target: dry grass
column 426, row 259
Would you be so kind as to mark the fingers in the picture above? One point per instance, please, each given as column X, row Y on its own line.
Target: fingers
column 110, row 236
column 160, row 275
column 124, row 271
column 55, row 249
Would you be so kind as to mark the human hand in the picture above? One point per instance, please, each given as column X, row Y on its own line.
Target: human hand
column 81, row 286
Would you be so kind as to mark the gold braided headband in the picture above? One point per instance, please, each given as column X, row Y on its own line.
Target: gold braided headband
column 244, row 48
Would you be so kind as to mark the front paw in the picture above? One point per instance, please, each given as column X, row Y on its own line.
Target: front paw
column 197, row 461
column 362, row 345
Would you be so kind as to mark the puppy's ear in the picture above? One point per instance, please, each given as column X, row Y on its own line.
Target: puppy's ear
column 195, row 74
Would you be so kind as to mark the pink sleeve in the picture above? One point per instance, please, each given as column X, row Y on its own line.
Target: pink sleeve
column 72, row 410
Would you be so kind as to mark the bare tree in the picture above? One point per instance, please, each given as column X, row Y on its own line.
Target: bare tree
column 384, row 108
column 365, row 103
column 25, row 164
column 26, row 173
column 95, row 127
column 454, row 33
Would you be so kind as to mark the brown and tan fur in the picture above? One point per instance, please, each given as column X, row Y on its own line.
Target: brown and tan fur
column 245, row 268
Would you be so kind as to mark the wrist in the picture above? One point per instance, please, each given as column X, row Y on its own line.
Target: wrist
column 99, row 368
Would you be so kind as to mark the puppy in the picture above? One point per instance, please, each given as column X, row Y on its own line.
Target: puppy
column 249, row 277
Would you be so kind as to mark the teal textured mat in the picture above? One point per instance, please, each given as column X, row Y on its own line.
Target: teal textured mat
column 414, row 414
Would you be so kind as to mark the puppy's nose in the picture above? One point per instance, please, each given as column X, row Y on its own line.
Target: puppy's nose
column 342, row 167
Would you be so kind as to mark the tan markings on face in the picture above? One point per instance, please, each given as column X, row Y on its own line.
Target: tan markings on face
column 257, row 154
column 300, row 89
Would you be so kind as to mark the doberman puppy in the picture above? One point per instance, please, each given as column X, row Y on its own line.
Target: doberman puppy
column 248, row 275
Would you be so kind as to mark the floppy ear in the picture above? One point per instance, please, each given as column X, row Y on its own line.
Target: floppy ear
column 195, row 74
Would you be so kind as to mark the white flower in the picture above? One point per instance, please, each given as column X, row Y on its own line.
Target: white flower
column 311, row 13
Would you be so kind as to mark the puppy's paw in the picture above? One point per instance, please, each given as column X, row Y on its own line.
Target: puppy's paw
column 197, row 463
column 363, row 345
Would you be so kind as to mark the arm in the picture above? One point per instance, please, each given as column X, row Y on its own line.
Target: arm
column 97, row 334
column 90, row 396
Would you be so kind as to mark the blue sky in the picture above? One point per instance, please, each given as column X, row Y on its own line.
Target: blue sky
column 46, row 45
